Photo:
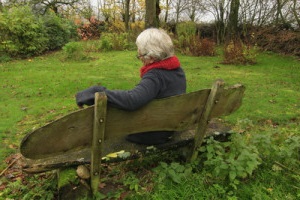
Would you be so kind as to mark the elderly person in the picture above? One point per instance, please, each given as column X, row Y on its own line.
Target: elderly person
column 161, row 76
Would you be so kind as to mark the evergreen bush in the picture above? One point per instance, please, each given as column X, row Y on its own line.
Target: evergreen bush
column 59, row 30
column 22, row 33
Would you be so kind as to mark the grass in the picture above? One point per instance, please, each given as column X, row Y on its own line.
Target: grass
column 39, row 90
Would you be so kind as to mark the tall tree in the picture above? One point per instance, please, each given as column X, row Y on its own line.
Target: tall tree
column 232, row 26
column 152, row 12
column 296, row 12
column 180, row 6
column 167, row 10
column 280, row 19
column 219, row 9
column 43, row 6
column 127, row 4
column 133, row 8
column 194, row 9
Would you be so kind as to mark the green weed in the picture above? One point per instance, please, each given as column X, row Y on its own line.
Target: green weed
column 174, row 171
column 233, row 159
column 34, row 187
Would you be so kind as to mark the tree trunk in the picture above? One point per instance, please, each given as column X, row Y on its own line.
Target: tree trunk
column 232, row 27
column 157, row 12
column 127, row 3
column 167, row 10
column 279, row 17
column 296, row 13
column 150, row 14
column 220, row 25
column 133, row 11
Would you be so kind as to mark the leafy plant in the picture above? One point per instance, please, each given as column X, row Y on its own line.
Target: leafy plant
column 59, row 30
column 174, row 171
column 116, row 41
column 131, row 181
column 186, row 29
column 232, row 160
column 22, row 33
column 5, row 58
column 35, row 187
column 290, row 151
column 74, row 51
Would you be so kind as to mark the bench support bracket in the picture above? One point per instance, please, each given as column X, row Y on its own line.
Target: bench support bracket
column 213, row 99
column 98, row 139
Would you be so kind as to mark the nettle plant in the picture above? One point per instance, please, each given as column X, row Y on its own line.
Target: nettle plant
column 230, row 160
column 174, row 171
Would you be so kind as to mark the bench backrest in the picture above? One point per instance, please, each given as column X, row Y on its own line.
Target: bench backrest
column 74, row 131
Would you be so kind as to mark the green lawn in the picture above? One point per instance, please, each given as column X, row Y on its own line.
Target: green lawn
column 38, row 90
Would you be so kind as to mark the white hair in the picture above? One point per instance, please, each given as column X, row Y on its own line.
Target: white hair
column 155, row 43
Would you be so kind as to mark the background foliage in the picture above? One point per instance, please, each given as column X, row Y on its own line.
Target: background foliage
column 25, row 34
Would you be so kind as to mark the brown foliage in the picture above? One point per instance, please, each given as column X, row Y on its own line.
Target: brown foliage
column 278, row 40
column 193, row 45
column 235, row 52
column 91, row 30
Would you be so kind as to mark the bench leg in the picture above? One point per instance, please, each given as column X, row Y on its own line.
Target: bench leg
column 98, row 139
column 213, row 97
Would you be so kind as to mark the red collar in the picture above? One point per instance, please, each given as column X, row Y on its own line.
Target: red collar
column 167, row 64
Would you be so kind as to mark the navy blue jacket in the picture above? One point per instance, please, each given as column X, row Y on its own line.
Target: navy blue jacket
column 155, row 84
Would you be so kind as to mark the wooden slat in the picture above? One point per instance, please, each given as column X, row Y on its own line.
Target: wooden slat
column 228, row 101
column 74, row 131
column 82, row 156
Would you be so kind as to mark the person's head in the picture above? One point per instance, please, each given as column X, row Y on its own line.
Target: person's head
column 154, row 45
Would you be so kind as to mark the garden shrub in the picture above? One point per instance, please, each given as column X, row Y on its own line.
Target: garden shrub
column 59, row 30
column 91, row 30
column 235, row 52
column 74, row 51
column 189, row 43
column 186, row 29
column 194, row 46
column 22, row 33
column 4, row 58
column 116, row 26
column 277, row 39
column 116, row 41
column 137, row 27
column 91, row 45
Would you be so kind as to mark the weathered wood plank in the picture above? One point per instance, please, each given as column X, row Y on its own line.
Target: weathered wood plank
column 75, row 130
column 228, row 101
column 72, row 134
column 83, row 156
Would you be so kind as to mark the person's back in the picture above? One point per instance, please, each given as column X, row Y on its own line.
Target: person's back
column 161, row 76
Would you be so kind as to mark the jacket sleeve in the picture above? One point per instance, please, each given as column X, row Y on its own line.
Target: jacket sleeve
column 87, row 96
column 141, row 94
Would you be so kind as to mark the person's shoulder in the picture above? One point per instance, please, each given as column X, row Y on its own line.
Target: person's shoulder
column 152, row 72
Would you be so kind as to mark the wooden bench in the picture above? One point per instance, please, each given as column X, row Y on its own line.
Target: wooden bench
column 87, row 135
